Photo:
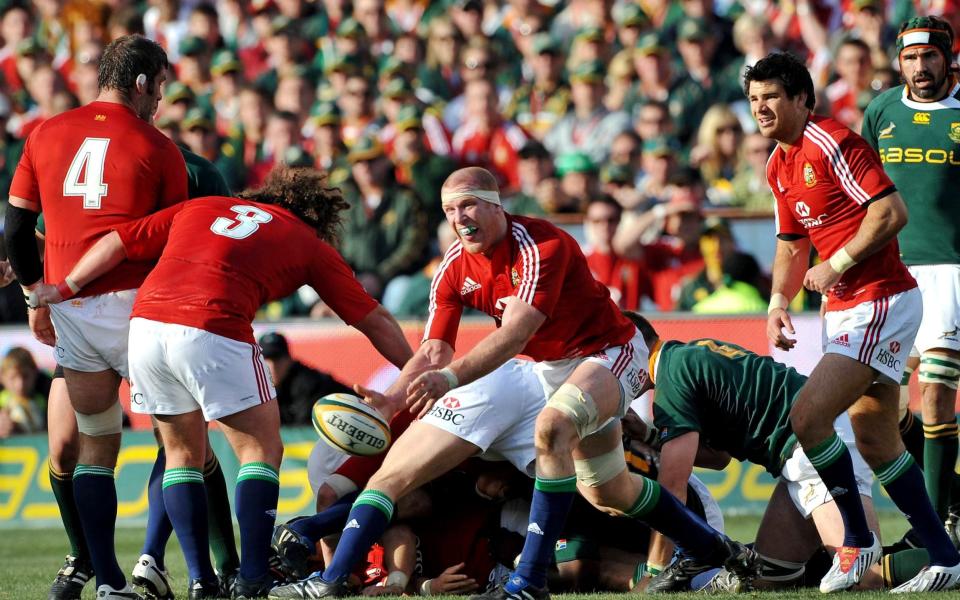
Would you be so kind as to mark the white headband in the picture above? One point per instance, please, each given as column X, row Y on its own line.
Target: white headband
column 485, row 195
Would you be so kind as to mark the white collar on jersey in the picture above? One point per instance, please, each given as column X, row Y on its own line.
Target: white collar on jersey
column 949, row 102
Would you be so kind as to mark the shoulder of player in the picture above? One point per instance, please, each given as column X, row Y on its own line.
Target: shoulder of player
column 451, row 258
column 533, row 231
column 824, row 137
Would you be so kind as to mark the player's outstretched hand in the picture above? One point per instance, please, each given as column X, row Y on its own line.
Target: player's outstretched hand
column 375, row 399
column 451, row 581
column 821, row 277
column 777, row 321
column 425, row 390
column 42, row 326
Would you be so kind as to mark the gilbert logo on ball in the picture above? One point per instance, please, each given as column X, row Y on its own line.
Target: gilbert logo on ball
column 350, row 425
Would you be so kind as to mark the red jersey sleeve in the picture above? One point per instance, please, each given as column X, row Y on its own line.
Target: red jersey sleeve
column 445, row 306
column 541, row 265
column 144, row 239
column 334, row 281
column 25, row 184
column 174, row 177
column 854, row 164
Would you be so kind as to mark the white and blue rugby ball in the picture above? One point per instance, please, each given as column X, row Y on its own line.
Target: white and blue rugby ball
column 350, row 425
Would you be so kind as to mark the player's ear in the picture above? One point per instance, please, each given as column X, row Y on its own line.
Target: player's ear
column 142, row 83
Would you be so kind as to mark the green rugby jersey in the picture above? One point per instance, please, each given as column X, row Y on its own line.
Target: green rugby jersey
column 203, row 179
column 919, row 144
column 736, row 400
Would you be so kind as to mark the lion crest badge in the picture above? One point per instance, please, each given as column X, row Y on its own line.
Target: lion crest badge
column 514, row 277
column 809, row 177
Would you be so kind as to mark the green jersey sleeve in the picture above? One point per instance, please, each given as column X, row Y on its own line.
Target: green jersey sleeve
column 203, row 178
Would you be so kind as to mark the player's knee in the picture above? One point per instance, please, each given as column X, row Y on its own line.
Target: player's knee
column 808, row 423
column 64, row 453
column 394, row 483
column 572, row 408
column 555, row 433
column 597, row 471
column 107, row 422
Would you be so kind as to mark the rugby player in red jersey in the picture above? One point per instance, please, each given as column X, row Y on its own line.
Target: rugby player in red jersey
column 532, row 278
column 831, row 192
column 87, row 170
column 193, row 357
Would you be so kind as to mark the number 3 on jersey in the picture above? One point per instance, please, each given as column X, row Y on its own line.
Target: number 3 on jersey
column 88, row 161
column 242, row 226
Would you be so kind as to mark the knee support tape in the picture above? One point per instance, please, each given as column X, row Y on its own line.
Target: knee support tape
column 782, row 571
column 107, row 422
column 596, row 471
column 578, row 405
column 939, row 368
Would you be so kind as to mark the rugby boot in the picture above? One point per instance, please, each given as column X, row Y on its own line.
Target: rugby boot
column 244, row 589
column 73, row 575
column 932, row 579
column 202, row 590
column 527, row 592
column 735, row 557
column 293, row 551
column 849, row 565
column 310, row 588
column 154, row 580
column 105, row 592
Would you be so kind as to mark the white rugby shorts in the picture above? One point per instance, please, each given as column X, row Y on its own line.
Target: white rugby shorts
column 497, row 413
column 628, row 363
column 940, row 287
column 175, row 369
column 878, row 333
column 804, row 485
column 92, row 332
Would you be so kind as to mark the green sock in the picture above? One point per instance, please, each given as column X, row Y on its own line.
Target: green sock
column 62, row 485
column 911, row 432
column 901, row 567
column 220, row 519
column 939, row 459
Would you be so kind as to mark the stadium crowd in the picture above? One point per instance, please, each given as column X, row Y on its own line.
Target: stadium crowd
column 566, row 103
column 401, row 154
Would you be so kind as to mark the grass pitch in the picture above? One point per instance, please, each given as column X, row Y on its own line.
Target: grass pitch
column 29, row 559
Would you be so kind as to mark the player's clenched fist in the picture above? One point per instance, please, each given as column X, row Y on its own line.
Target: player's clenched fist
column 777, row 321
column 425, row 390
column 821, row 278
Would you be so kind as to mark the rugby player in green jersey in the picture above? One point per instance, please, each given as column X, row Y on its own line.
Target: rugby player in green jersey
column 915, row 128
column 714, row 397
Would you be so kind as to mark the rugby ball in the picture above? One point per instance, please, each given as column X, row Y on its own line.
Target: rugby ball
column 350, row 425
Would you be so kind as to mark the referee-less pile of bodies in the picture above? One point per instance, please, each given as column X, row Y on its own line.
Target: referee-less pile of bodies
column 164, row 290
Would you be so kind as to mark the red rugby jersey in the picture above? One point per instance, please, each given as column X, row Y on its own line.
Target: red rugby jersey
column 543, row 266
column 90, row 169
column 822, row 186
column 221, row 259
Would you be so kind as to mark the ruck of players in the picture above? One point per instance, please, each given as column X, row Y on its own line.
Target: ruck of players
column 518, row 467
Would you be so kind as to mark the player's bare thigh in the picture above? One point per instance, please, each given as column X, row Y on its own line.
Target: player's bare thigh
column 421, row 454
column 783, row 533
column 833, row 386
column 829, row 524
column 92, row 392
column 602, row 385
column 875, row 421
column 184, row 439
column 254, row 434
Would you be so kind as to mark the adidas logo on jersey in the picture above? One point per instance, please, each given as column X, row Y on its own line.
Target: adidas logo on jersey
column 534, row 528
column 352, row 525
column 842, row 340
column 469, row 285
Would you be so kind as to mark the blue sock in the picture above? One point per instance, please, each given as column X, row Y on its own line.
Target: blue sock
column 903, row 481
column 368, row 519
column 325, row 522
column 552, row 499
column 96, row 497
column 186, row 500
column 832, row 461
column 664, row 512
column 158, row 523
column 258, row 489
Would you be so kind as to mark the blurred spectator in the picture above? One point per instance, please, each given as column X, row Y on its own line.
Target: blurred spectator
column 716, row 245
column 193, row 68
column 659, row 160
column 486, row 139
column 16, row 26
column 652, row 120
column 225, row 71
column 408, row 296
column 655, row 78
column 329, row 152
column 439, row 74
column 418, row 167
column 540, row 103
column 377, row 25
column 620, row 79
column 356, row 109
column 282, row 131
column 83, row 74
column 398, row 95
column 294, row 95
column 578, row 181
column 534, row 165
column 625, row 278
column 632, row 22
column 478, row 61
column 385, row 229
column 588, row 126
column 855, row 73
column 867, row 19
column 23, row 408
column 739, row 292
column 298, row 386
column 717, row 152
column 751, row 191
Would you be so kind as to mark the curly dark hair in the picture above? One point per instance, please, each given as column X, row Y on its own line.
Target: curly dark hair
column 304, row 192
column 785, row 68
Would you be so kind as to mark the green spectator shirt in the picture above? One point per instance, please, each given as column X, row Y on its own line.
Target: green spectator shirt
column 919, row 144
column 738, row 401
column 203, row 179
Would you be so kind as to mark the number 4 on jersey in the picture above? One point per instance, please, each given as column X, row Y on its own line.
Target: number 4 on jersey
column 88, row 162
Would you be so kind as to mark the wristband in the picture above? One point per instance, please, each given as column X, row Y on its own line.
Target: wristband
column 450, row 376
column 777, row 301
column 425, row 588
column 841, row 260
column 659, row 211
column 67, row 288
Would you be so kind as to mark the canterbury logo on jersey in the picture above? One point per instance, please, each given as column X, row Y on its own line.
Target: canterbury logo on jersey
column 934, row 156
column 469, row 285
